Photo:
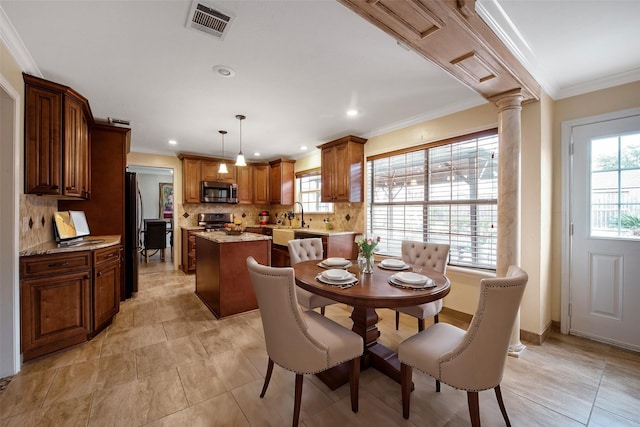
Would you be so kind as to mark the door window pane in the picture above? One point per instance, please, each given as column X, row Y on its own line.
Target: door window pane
column 615, row 187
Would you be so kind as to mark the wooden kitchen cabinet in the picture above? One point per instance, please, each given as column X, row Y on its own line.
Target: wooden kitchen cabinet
column 106, row 287
column 343, row 170
column 189, row 251
column 261, row 183
column 191, row 178
column 67, row 298
column 57, row 140
column 106, row 209
column 281, row 182
column 245, row 184
column 55, row 302
column 210, row 168
column 196, row 169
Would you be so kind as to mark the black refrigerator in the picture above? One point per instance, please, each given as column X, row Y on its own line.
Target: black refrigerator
column 132, row 220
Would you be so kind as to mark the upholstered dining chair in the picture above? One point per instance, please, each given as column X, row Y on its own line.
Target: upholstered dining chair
column 471, row 360
column 430, row 255
column 303, row 342
column 305, row 250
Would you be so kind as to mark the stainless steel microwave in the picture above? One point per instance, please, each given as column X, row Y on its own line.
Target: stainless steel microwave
column 218, row 192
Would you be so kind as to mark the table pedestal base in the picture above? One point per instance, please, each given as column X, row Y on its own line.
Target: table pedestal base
column 375, row 354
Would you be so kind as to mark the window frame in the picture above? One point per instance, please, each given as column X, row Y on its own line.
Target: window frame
column 299, row 176
column 482, row 208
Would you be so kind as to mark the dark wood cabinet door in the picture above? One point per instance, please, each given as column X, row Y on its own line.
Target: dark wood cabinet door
column 43, row 141
column 328, row 174
column 281, row 182
column 341, row 173
column 209, row 170
column 245, row 184
column 58, row 123
column 55, row 312
column 343, row 170
column 76, row 150
column 191, row 178
column 106, row 293
column 261, row 184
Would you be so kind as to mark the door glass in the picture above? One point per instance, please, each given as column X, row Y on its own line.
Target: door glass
column 615, row 186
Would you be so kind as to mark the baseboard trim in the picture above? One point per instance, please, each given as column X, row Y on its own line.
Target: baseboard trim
column 458, row 315
column 529, row 337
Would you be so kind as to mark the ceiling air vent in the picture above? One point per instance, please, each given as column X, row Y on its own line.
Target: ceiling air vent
column 206, row 18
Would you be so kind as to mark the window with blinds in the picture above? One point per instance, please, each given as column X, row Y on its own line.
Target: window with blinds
column 308, row 189
column 445, row 192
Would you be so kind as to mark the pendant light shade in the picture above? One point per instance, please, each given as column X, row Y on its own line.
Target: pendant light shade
column 240, row 159
column 223, row 165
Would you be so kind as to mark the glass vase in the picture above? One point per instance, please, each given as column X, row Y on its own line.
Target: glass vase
column 365, row 263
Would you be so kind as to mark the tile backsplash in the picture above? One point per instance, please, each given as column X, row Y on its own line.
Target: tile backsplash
column 35, row 220
column 346, row 216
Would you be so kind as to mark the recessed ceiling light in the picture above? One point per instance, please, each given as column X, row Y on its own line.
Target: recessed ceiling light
column 224, row 71
column 303, row 147
column 256, row 154
column 173, row 142
column 352, row 113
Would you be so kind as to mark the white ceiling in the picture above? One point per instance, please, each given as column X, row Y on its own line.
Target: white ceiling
column 299, row 64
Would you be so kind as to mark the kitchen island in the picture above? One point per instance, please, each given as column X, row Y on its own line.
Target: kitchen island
column 222, row 278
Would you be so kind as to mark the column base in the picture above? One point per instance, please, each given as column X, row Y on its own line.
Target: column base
column 516, row 349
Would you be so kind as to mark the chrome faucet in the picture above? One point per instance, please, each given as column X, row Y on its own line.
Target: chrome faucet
column 301, row 213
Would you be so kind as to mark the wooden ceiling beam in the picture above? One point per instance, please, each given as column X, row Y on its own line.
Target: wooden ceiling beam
column 450, row 34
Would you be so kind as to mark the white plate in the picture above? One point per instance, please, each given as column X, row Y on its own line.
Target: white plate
column 336, row 274
column 336, row 262
column 411, row 278
column 349, row 281
column 393, row 263
column 323, row 265
column 394, row 281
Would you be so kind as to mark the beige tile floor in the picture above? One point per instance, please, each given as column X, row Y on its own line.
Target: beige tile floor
column 166, row 361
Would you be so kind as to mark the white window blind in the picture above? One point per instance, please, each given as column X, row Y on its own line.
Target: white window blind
column 444, row 193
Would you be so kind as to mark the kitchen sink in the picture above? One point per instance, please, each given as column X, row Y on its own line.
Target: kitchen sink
column 282, row 235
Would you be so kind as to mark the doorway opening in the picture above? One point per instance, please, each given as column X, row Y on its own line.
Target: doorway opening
column 9, row 247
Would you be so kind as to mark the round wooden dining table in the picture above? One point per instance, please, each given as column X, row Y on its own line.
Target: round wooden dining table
column 372, row 291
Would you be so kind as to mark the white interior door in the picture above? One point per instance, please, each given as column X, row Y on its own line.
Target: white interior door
column 605, row 244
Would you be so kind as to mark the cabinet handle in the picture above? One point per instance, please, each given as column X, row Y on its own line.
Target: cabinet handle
column 111, row 255
column 59, row 264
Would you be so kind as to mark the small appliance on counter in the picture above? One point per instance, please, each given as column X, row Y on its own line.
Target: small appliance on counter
column 263, row 218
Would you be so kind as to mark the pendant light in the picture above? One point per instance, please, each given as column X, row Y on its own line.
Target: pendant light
column 223, row 165
column 240, row 159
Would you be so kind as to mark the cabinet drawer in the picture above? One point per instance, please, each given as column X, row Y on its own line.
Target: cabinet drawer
column 47, row 265
column 105, row 255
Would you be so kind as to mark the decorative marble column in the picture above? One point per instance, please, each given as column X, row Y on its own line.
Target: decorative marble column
column 510, row 136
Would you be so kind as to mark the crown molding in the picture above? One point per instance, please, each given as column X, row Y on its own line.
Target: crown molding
column 599, row 83
column 498, row 20
column 14, row 44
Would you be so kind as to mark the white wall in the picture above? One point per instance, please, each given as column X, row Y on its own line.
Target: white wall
column 150, row 188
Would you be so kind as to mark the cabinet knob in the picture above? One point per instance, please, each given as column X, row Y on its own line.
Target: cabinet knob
column 100, row 274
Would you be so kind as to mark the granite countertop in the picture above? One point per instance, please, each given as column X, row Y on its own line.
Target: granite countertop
column 222, row 237
column 318, row 231
column 90, row 243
